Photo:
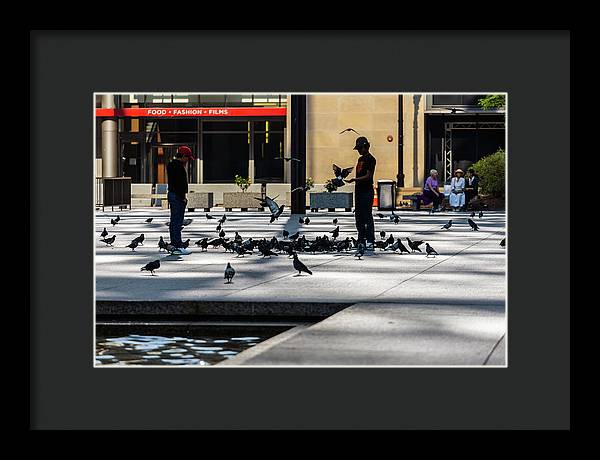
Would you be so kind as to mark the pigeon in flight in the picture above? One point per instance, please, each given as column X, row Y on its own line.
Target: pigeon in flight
column 269, row 203
column 340, row 174
column 151, row 266
column 503, row 242
column 300, row 266
column 287, row 159
column 229, row 273
column 104, row 233
column 349, row 129
column 480, row 214
column 149, row 220
column 447, row 225
column 414, row 245
column 276, row 215
column 430, row 250
column 110, row 240
column 304, row 189
column 133, row 245
column 473, row 225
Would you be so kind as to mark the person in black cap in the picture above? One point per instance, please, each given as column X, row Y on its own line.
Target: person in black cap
column 365, row 169
column 177, row 190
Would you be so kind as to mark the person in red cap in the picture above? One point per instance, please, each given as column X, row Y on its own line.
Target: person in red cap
column 177, row 189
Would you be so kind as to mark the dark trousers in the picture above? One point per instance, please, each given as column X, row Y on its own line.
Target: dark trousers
column 177, row 207
column 363, row 214
column 437, row 199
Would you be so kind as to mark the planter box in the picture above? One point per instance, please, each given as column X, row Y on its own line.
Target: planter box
column 200, row 200
column 333, row 200
column 242, row 200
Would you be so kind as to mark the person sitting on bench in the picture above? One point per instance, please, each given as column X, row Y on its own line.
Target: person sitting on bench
column 431, row 193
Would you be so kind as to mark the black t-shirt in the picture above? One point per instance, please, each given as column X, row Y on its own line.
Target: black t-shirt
column 177, row 178
column 365, row 163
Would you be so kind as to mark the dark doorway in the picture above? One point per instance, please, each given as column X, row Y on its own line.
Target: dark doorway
column 225, row 150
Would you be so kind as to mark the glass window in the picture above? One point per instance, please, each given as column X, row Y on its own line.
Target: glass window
column 268, row 149
column 225, row 155
column 225, row 126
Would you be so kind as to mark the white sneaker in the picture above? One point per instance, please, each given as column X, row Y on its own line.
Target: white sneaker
column 370, row 247
column 184, row 251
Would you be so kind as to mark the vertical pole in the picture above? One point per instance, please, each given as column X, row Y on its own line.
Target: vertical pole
column 298, row 168
column 110, row 152
column 400, row 176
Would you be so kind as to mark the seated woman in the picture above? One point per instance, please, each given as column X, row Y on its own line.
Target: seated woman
column 431, row 193
column 471, row 186
column 457, row 191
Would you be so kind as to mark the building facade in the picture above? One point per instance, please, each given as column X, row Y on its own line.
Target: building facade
column 250, row 135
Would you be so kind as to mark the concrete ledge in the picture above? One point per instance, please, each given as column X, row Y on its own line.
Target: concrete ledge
column 214, row 308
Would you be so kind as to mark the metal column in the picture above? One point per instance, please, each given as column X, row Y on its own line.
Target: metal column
column 298, row 134
column 110, row 151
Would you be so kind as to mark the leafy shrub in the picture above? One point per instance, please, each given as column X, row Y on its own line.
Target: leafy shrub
column 309, row 183
column 242, row 182
column 492, row 101
column 491, row 172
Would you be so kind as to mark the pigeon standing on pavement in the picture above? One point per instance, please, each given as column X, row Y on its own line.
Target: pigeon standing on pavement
column 447, row 225
column 185, row 244
column 300, row 266
column 335, row 221
column 306, row 220
column 104, row 233
column 360, row 251
column 503, row 242
column 114, row 222
column 149, row 220
column 480, row 214
column 161, row 244
column 140, row 239
column 402, row 247
column 295, row 236
column 301, row 220
column 229, row 273
column 286, row 234
column 222, row 233
column 133, row 245
column 151, row 266
column 430, row 250
column 473, row 225
column 335, row 232
column 381, row 216
column 382, row 234
column 203, row 243
column 472, row 214
column 208, row 216
column 414, row 245
column 110, row 240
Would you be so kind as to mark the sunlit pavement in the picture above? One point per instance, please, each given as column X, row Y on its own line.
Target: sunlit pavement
column 409, row 309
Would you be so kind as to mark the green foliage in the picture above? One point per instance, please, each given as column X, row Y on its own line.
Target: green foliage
column 309, row 183
column 492, row 101
column 242, row 182
column 330, row 186
column 491, row 172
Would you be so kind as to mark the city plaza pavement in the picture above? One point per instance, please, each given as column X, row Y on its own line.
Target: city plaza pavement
column 405, row 309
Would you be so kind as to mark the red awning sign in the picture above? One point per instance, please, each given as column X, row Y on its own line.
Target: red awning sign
column 194, row 112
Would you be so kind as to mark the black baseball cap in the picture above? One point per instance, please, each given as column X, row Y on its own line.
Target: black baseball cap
column 361, row 142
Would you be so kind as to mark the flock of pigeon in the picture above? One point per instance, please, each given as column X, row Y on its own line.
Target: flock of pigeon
column 289, row 244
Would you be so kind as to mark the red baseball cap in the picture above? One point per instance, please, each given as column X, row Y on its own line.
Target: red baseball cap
column 186, row 151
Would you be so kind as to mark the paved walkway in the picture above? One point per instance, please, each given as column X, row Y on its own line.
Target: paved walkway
column 448, row 303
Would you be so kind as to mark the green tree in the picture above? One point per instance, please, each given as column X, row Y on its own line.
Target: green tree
column 491, row 171
column 492, row 101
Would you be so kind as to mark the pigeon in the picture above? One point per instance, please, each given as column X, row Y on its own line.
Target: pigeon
column 335, row 232
column 447, row 225
column 229, row 273
column 151, row 266
column 133, row 245
column 269, row 203
column 381, row 216
column 480, row 214
column 238, row 238
column 394, row 246
column 301, row 220
column 276, row 215
column 503, row 242
column 223, row 219
column 402, row 247
column 161, row 244
column 304, row 189
column 414, row 245
column 186, row 222
column 430, row 250
column 266, row 252
column 118, row 218
column 390, row 240
column 340, row 174
column 306, row 220
column 473, row 225
column 218, row 228
column 215, row 242
column 228, row 245
column 472, row 214
column 114, row 222
column 140, row 239
column 335, row 221
column 110, row 240
column 149, row 220
column 286, row 233
column 222, row 233
column 393, row 216
column 300, row 266
column 185, row 244
column 349, row 129
column 241, row 250
column 382, row 234
column 396, row 219
column 208, row 216
column 203, row 243
column 295, row 236
column 360, row 250
column 286, row 158
column 104, row 233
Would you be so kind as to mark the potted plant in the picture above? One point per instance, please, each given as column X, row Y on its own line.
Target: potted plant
column 243, row 199
column 331, row 200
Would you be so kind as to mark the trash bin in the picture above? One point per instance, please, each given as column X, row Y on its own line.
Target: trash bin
column 386, row 195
